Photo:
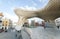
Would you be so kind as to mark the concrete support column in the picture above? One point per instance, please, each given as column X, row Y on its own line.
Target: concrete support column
column 21, row 20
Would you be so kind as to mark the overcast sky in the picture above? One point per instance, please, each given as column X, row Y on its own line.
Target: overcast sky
column 8, row 6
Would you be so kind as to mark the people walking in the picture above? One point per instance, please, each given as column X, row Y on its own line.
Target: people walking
column 18, row 32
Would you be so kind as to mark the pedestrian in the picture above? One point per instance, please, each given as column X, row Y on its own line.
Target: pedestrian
column 18, row 32
column 58, row 27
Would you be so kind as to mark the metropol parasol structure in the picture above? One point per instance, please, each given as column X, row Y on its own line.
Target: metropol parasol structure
column 50, row 12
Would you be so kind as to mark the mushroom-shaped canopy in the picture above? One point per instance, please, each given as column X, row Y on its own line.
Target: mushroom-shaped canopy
column 50, row 12
column 26, row 13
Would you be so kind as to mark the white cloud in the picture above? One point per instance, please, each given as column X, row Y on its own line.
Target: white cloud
column 33, row 3
column 9, row 16
column 41, row 0
column 28, row 8
column 31, row 8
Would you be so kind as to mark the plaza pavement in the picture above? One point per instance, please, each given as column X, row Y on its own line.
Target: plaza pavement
column 34, row 33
